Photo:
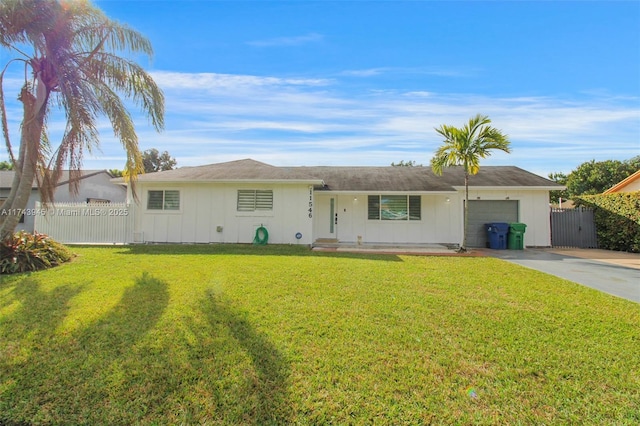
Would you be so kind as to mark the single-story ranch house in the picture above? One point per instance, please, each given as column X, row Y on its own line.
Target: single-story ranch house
column 228, row 202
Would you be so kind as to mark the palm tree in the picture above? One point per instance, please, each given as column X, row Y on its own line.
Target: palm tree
column 70, row 54
column 465, row 147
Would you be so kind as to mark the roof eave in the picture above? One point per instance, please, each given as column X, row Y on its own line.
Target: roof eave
column 382, row 191
column 615, row 188
column 279, row 181
column 511, row 188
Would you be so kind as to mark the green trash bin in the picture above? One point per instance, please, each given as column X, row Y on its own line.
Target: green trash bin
column 515, row 239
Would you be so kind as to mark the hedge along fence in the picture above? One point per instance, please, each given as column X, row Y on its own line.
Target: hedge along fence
column 617, row 218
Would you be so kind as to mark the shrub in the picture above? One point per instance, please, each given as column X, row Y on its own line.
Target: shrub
column 617, row 218
column 31, row 252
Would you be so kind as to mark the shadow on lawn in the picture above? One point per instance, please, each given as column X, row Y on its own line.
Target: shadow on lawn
column 132, row 365
column 51, row 376
column 264, row 399
column 247, row 249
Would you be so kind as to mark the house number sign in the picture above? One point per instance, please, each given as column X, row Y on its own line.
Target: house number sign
column 310, row 202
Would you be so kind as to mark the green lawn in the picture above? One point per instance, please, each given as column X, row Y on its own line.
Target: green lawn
column 280, row 335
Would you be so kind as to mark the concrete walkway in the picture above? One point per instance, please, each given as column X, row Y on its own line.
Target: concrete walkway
column 614, row 273
column 620, row 258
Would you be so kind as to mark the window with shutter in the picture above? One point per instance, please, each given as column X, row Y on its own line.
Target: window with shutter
column 251, row 200
column 163, row 200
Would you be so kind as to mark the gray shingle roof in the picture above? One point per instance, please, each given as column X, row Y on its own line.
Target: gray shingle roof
column 380, row 179
column 420, row 179
column 504, row 176
column 240, row 170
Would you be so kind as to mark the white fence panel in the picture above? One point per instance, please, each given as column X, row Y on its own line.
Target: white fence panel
column 85, row 223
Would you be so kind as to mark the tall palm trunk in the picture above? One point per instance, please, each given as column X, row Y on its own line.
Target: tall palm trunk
column 71, row 51
column 465, row 147
column 463, row 248
column 33, row 124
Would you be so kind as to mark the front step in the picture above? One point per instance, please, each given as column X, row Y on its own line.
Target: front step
column 332, row 243
column 326, row 241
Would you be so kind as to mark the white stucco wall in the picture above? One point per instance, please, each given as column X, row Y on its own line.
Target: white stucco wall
column 206, row 206
column 533, row 210
column 442, row 220
column 95, row 186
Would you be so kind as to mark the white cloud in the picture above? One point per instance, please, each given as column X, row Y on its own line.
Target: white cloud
column 214, row 81
column 287, row 41
column 364, row 73
column 317, row 121
column 432, row 71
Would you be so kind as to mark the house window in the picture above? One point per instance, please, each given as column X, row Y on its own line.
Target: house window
column 394, row 207
column 163, row 200
column 251, row 200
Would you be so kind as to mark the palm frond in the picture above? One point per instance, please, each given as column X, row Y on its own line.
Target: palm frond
column 465, row 146
column 130, row 79
column 83, row 63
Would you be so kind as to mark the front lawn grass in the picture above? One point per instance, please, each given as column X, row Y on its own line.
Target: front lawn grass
column 280, row 335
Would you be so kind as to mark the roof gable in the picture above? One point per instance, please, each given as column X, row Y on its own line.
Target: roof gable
column 623, row 184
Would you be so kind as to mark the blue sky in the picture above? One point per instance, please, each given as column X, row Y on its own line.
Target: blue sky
column 366, row 82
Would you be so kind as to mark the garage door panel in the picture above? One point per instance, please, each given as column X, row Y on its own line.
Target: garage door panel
column 487, row 211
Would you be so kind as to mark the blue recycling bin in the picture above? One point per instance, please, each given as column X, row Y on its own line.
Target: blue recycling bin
column 497, row 235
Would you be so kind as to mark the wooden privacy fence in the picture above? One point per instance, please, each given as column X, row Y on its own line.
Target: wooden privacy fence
column 573, row 228
column 80, row 223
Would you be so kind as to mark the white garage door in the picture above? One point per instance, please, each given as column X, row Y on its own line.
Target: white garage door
column 488, row 211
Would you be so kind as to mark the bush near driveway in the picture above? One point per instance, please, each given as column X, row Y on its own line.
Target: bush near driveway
column 617, row 219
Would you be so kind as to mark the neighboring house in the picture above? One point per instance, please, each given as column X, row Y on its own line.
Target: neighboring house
column 228, row 202
column 630, row 184
column 93, row 186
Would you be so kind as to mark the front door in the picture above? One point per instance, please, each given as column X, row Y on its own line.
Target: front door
column 327, row 218
column 333, row 217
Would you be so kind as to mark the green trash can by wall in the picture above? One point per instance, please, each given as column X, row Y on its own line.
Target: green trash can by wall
column 515, row 239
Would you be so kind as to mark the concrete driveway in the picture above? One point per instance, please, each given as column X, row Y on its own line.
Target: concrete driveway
column 610, row 272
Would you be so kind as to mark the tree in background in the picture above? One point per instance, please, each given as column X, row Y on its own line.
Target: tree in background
column 69, row 51
column 556, row 196
column 593, row 177
column 465, row 146
column 154, row 161
column 5, row 165
column 403, row 163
